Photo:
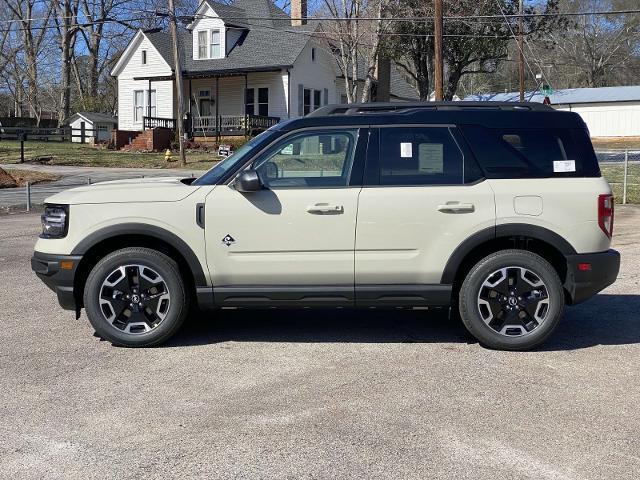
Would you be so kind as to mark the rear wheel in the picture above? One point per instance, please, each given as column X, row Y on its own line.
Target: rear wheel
column 511, row 300
column 135, row 297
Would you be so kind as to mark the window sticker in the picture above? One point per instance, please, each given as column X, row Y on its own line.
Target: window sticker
column 430, row 158
column 406, row 150
column 560, row 166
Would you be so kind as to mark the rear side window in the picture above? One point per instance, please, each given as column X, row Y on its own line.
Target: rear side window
column 535, row 152
column 419, row 156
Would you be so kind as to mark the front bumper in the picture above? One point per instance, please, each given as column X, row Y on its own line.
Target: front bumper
column 583, row 283
column 58, row 272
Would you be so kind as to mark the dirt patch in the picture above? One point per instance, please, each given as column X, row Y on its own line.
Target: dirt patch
column 19, row 178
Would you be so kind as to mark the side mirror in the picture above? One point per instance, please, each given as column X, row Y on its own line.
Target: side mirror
column 248, row 181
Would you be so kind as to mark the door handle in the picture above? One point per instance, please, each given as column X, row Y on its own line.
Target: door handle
column 325, row 209
column 200, row 214
column 456, row 207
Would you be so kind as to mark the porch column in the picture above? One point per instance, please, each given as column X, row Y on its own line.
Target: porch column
column 190, row 122
column 149, row 100
column 244, row 101
column 217, row 109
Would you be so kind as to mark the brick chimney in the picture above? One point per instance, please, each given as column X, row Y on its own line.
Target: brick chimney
column 298, row 13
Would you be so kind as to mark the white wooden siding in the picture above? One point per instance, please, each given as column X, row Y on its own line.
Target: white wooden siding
column 207, row 24
column 609, row 119
column 230, row 99
column 156, row 66
column 316, row 75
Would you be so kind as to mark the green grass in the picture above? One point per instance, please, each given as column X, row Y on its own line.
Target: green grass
column 77, row 154
column 615, row 176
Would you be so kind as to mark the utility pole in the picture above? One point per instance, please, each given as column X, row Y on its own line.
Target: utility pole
column 173, row 25
column 521, row 50
column 438, row 64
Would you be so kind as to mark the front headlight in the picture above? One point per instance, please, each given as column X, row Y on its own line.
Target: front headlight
column 55, row 221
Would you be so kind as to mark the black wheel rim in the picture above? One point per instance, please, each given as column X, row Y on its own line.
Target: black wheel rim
column 513, row 301
column 134, row 299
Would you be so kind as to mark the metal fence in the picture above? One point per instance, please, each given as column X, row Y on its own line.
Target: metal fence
column 621, row 168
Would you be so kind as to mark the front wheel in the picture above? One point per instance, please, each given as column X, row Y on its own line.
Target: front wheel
column 511, row 300
column 135, row 297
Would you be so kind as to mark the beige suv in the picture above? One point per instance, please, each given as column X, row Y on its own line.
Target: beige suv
column 497, row 211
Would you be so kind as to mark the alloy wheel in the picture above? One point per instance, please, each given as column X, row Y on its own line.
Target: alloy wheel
column 513, row 301
column 134, row 299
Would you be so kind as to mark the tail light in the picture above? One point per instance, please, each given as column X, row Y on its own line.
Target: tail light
column 605, row 214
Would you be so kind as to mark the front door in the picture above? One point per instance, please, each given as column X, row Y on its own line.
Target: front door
column 293, row 241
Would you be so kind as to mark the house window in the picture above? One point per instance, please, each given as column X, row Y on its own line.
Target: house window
column 215, row 43
column 263, row 102
column 249, row 101
column 202, row 44
column 152, row 104
column 343, row 98
column 138, row 105
column 144, row 57
column 307, row 101
column 259, row 107
column 103, row 128
column 313, row 54
column 317, row 96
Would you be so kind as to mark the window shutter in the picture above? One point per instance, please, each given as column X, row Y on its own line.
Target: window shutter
column 300, row 100
column 326, row 96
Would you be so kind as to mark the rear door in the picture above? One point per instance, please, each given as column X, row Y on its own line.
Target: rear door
column 423, row 195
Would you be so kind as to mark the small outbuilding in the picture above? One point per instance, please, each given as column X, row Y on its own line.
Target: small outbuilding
column 607, row 111
column 96, row 126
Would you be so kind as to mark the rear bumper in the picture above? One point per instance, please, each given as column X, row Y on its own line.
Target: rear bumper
column 583, row 283
column 61, row 280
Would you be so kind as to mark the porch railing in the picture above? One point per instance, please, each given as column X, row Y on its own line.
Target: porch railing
column 153, row 122
column 232, row 123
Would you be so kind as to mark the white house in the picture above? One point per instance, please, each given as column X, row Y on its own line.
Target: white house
column 97, row 126
column 607, row 111
column 245, row 66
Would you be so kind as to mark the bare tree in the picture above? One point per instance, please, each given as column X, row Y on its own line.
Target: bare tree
column 66, row 20
column 33, row 29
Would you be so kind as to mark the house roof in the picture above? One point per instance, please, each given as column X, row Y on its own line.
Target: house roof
column 569, row 95
column 95, row 117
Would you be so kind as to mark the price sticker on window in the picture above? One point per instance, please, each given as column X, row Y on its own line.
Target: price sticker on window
column 563, row 166
column 406, row 150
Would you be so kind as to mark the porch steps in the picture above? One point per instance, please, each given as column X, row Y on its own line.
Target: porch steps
column 153, row 139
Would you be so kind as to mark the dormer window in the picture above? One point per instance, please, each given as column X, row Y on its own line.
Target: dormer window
column 215, row 43
column 144, row 57
column 202, row 44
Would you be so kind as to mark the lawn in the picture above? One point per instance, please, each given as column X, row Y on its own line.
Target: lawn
column 615, row 176
column 77, row 154
column 616, row 143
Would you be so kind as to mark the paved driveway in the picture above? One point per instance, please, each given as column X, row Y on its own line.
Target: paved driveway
column 328, row 394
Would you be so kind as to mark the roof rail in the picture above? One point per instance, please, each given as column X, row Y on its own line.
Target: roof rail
column 404, row 107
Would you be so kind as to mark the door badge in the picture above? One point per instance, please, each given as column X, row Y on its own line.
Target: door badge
column 228, row 240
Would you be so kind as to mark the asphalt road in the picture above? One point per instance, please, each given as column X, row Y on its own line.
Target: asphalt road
column 300, row 394
column 76, row 176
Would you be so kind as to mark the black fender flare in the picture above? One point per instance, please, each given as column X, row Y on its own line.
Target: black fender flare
column 502, row 231
column 147, row 230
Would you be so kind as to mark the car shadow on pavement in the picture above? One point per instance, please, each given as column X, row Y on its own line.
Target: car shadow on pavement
column 603, row 320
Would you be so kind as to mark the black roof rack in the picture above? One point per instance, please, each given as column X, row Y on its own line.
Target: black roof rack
column 404, row 107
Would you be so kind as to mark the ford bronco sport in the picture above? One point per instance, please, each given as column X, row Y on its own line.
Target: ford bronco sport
column 498, row 211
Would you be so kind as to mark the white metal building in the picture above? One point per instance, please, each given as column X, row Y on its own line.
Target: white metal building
column 607, row 111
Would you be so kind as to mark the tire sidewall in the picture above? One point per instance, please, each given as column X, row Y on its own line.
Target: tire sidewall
column 468, row 301
column 157, row 261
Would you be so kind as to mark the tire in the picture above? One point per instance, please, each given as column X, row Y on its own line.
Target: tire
column 135, row 297
column 511, row 300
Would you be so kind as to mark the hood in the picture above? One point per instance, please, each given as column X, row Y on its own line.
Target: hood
column 159, row 189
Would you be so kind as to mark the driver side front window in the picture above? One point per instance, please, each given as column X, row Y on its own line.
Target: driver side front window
column 310, row 159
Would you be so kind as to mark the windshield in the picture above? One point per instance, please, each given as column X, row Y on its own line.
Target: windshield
column 212, row 176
